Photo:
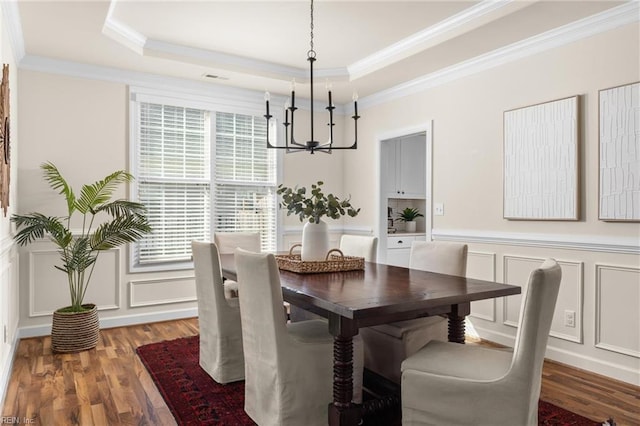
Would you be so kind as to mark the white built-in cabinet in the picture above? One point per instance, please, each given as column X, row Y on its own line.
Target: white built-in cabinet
column 404, row 163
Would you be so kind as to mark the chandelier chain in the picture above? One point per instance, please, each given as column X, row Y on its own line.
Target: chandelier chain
column 311, row 145
column 311, row 32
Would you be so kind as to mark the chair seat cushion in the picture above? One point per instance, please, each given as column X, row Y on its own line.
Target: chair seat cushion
column 399, row 328
column 456, row 360
column 312, row 331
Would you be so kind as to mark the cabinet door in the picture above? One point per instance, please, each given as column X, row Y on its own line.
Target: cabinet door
column 390, row 170
column 412, row 168
column 398, row 257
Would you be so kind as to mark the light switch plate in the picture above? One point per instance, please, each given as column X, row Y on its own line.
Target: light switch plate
column 438, row 209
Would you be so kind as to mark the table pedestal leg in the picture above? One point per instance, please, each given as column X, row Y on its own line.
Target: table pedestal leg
column 456, row 322
column 342, row 411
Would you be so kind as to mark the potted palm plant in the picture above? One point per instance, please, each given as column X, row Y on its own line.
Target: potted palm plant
column 106, row 224
column 408, row 215
column 311, row 209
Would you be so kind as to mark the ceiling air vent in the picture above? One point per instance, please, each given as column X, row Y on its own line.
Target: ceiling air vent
column 214, row 77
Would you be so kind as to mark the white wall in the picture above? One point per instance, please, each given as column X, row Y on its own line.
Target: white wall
column 600, row 260
column 8, row 258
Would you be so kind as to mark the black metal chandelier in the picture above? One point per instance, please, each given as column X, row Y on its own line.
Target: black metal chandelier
column 312, row 145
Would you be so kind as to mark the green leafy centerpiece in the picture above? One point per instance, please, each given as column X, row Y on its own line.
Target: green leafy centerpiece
column 122, row 222
column 311, row 208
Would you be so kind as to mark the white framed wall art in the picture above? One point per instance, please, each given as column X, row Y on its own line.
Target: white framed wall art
column 541, row 170
column 619, row 153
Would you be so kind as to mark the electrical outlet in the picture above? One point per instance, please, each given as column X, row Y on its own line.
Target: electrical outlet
column 5, row 334
column 438, row 209
column 569, row 318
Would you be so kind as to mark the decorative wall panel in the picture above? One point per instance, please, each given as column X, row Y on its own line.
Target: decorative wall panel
column 541, row 161
column 162, row 291
column 482, row 266
column 620, row 153
column 617, row 314
column 49, row 290
column 517, row 270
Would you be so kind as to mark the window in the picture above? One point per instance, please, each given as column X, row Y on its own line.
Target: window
column 245, row 178
column 189, row 194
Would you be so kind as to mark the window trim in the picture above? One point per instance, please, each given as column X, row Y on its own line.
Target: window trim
column 247, row 102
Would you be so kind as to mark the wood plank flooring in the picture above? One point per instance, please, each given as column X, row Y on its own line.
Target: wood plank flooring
column 110, row 386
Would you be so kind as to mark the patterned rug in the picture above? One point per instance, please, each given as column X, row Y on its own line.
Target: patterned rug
column 195, row 398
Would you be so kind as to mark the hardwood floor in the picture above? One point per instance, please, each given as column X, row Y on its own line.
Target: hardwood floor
column 110, row 386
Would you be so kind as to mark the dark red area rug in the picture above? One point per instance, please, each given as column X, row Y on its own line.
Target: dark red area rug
column 195, row 398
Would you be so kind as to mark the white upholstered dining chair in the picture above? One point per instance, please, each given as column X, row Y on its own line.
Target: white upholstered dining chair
column 227, row 243
column 453, row 384
column 288, row 367
column 387, row 345
column 221, row 354
column 361, row 246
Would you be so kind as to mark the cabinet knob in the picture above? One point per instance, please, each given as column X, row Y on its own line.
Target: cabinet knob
column 400, row 241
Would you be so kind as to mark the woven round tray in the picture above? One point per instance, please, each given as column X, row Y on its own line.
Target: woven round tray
column 332, row 263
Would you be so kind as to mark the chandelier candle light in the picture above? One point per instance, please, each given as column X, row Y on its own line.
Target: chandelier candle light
column 312, row 145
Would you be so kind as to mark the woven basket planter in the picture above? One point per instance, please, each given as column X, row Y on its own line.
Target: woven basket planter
column 75, row 331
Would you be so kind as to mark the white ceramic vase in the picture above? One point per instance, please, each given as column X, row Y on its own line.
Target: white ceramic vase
column 410, row 226
column 315, row 241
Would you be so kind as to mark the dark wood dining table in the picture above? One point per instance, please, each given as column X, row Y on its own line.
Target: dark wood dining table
column 379, row 294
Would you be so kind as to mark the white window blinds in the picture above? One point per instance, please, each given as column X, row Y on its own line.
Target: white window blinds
column 187, row 197
column 173, row 180
column 245, row 178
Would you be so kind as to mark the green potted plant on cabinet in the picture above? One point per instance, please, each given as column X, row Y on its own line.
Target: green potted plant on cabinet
column 409, row 215
column 311, row 209
column 76, row 327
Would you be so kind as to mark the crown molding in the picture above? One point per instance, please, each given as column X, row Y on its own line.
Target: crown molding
column 155, row 81
column 121, row 33
column 226, row 61
column 13, row 22
column 624, row 14
column 426, row 38
column 140, row 44
column 621, row 245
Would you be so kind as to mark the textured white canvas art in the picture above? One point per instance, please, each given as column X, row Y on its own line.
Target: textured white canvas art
column 541, row 161
column 620, row 153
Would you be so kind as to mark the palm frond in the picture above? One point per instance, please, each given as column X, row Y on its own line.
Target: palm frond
column 101, row 191
column 78, row 257
column 121, row 230
column 35, row 225
column 122, row 208
column 57, row 182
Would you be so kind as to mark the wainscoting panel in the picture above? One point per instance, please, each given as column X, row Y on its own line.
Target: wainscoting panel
column 49, row 289
column 482, row 266
column 162, row 291
column 517, row 270
column 617, row 316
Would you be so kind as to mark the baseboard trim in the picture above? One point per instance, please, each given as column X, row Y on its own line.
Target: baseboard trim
column 6, row 368
column 121, row 321
column 573, row 359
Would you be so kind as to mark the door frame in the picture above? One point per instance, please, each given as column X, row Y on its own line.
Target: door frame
column 427, row 129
